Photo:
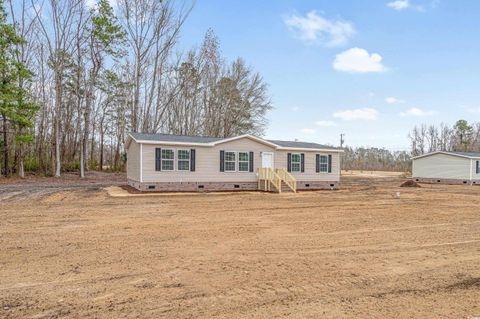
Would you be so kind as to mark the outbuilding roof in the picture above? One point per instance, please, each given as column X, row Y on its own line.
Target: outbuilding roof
column 468, row 154
column 211, row 141
column 474, row 155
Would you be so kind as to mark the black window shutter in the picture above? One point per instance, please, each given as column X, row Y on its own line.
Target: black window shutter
column 289, row 162
column 317, row 163
column 478, row 167
column 329, row 163
column 222, row 161
column 192, row 160
column 158, row 159
column 250, row 158
column 302, row 163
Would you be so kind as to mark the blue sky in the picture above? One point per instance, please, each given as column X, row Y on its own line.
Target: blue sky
column 371, row 69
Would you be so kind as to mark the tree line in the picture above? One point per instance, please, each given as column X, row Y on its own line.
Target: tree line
column 461, row 137
column 76, row 78
column 375, row 159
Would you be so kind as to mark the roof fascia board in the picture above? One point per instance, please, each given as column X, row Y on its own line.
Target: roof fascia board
column 445, row 153
column 310, row 149
column 129, row 141
column 173, row 143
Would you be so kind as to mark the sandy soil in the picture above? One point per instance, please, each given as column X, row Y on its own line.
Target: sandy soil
column 76, row 252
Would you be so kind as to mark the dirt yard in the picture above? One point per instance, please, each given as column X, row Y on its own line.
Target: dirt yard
column 72, row 251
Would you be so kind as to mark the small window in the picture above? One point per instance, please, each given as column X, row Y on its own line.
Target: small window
column 296, row 162
column 478, row 167
column 324, row 163
column 243, row 162
column 168, row 157
column 183, row 157
column 230, row 162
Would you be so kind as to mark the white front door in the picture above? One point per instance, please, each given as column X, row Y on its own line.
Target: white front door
column 267, row 159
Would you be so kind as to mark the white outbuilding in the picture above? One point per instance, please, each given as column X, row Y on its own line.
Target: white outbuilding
column 447, row 168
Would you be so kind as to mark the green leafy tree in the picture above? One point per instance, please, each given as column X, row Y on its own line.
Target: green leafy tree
column 16, row 110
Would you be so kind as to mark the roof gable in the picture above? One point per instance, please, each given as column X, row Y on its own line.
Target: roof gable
column 300, row 145
column 251, row 137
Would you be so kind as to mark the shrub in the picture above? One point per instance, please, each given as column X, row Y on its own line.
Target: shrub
column 71, row 166
column 31, row 164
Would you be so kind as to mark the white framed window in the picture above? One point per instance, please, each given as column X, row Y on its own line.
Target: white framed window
column 168, row 159
column 323, row 163
column 243, row 162
column 296, row 162
column 230, row 161
column 183, row 160
column 478, row 167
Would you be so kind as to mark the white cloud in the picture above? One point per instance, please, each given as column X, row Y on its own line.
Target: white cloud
column 393, row 100
column 358, row 60
column 308, row 131
column 415, row 111
column 365, row 113
column 314, row 28
column 325, row 123
column 399, row 4
column 295, row 108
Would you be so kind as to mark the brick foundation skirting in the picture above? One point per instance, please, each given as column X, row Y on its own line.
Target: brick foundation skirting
column 446, row 181
column 316, row 185
column 219, row 186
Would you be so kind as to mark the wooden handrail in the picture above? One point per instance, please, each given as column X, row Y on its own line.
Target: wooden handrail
column 269, row 176
column 275, row 177
column 287, row 178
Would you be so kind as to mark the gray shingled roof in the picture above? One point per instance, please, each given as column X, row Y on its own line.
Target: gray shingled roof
column 206, row 139
column 174, row 138
column 469, row 154
column 295, row 144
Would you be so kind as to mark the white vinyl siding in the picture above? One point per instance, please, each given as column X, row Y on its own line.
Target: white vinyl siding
column 207, row 165
column 310, row 173
column 133, row 161
column 442, row 166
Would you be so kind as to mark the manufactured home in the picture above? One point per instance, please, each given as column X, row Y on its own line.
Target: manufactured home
column 164, row 162
column 447, row 168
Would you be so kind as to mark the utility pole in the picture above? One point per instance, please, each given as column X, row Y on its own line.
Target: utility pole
column 342, row 140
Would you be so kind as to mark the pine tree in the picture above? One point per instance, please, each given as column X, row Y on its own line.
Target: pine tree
column 106, row 37
column 16, row 110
